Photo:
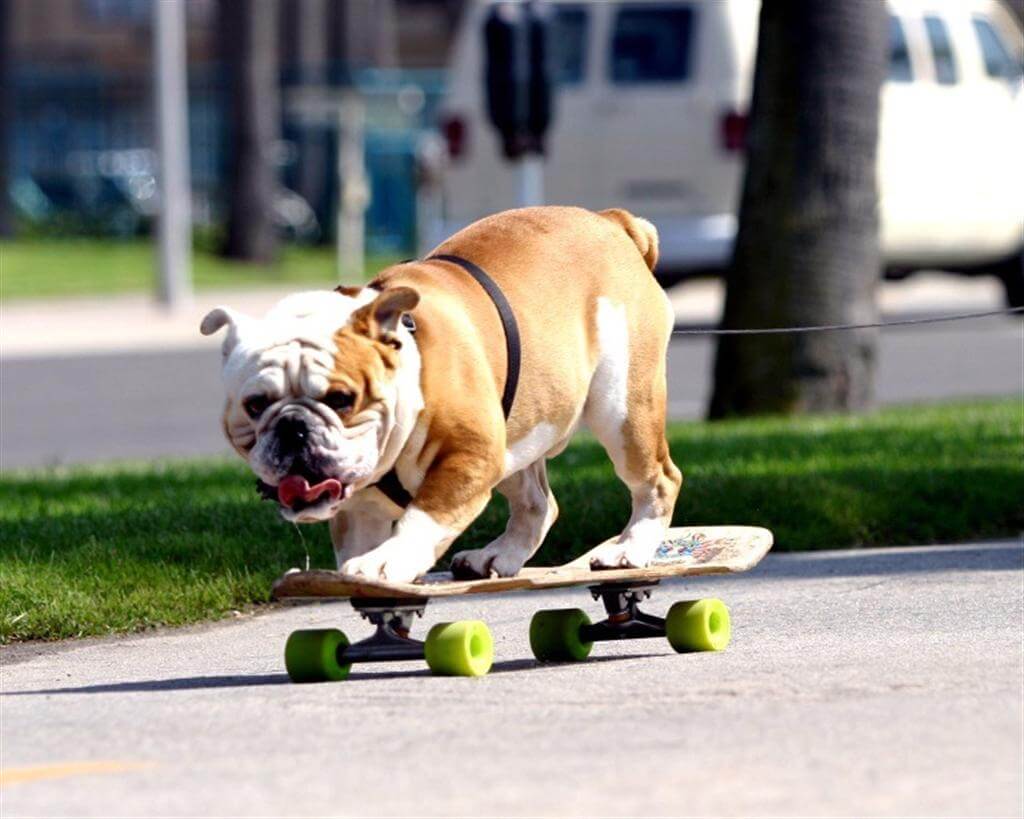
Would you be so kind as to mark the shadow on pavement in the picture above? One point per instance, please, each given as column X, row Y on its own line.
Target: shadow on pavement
column 246, row 680
column 498, row 668
column 859, row 562
column 174, row 684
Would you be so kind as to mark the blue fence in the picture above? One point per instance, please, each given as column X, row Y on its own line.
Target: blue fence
column 81, row 150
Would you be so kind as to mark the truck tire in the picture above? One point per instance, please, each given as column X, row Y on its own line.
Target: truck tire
column 1012, row 274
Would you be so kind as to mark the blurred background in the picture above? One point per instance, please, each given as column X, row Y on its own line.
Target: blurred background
column 310, row 141
column 81, row 130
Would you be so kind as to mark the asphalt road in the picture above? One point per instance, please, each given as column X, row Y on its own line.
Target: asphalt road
column 104, row 407
column 858, row 683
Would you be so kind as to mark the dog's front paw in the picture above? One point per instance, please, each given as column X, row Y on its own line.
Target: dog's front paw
column 634, row 549
column 619, row 556
column 477, row 563
column 387, row 562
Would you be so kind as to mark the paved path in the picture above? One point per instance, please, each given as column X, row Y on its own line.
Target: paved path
column 104, row 407
column 871, row 683
column 135, row 323
column 104, row 379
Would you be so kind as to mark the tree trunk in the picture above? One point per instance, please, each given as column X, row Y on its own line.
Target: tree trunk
column 310, row 62
column 364, row 34
column 6, row 117
column 248, row 30
column 807, row 248
column 1017, row 9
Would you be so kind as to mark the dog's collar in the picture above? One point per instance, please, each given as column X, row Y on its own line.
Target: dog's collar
column 390, row 484
column 392, row 488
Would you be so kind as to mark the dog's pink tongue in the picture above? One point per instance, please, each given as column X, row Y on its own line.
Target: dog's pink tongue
column 295, row 487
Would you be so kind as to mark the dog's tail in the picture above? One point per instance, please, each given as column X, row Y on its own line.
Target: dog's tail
column 642, row 232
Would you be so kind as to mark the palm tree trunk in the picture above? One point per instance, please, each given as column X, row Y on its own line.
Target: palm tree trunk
column 367, row 35
column 807, row 248
column 248, row 30
column 6, row 116
column 310, row 58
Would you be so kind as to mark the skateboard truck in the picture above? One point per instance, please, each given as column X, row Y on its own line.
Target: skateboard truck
column 568, row 635
column 625, row 621
column 464, row 648
column 391, row 640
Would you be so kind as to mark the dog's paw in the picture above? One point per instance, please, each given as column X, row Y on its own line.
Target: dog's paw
column 377, row 567
column 386, row 562
column 621, row 556
column 613, row 559
column 634, row 549
column 477, row 563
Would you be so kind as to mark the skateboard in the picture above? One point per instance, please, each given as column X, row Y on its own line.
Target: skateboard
column 466, row 648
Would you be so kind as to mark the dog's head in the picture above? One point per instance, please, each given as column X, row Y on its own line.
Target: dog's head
column 316, row 391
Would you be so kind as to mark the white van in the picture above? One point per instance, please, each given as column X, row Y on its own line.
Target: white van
column 650, row 115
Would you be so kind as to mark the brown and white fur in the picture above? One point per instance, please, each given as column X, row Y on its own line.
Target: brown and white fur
column 594, row 326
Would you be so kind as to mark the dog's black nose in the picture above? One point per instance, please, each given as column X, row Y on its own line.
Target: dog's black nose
column 292, row 432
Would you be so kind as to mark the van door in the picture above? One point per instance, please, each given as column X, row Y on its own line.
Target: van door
column 572, row 147
column 952, row 181
column 651, row 117
column 997, row 116
column 908, row 149
column 950, row 166
column 926, row 159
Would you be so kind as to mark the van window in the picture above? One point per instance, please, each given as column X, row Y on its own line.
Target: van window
column 899, row 55
column 652, row 44
column 568, row 45
column 942, row 50
column 998, row 60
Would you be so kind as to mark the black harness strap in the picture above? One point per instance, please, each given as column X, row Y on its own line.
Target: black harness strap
column 390, row 485
column 393, row 489
column 513, row 348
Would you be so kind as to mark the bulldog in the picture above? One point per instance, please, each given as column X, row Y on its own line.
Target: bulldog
column 394, row 411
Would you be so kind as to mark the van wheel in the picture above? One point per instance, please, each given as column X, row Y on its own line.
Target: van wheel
column 1012, row 275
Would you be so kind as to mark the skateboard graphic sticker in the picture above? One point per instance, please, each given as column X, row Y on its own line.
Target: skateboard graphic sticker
column 695, row 547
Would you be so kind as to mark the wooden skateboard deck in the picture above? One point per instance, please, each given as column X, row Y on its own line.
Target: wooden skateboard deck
column 466, row 647
column 686, row 550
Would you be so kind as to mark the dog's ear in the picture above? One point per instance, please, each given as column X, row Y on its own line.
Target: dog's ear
column 379, row 319
column 224, row 316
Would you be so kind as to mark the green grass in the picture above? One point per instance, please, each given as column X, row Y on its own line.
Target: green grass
column 59, row 268
column 119, row 548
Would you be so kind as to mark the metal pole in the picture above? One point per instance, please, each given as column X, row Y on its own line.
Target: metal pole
column 531, row 165
column 531, row 180
column 353, row 189
column 430, row 160
column 174, row 221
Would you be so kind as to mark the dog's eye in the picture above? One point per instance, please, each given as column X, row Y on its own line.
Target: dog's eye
column 339, row 401
column 255, row 405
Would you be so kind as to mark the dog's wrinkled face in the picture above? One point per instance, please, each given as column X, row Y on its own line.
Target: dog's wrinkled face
column 312, row 392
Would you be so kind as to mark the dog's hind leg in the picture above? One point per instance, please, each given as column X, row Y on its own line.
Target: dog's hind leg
column 532, row 510
column 625, row 409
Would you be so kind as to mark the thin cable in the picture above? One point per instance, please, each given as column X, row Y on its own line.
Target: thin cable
column 825, row 327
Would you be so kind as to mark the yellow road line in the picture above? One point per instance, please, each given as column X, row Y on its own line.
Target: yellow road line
column 12, row 776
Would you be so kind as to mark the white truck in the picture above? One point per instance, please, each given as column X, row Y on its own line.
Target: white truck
column 650, row 115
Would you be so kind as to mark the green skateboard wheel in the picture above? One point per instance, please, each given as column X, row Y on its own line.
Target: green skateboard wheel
column 312, row 655
column 698, row 625
column 461, row 649
column 555, row 635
